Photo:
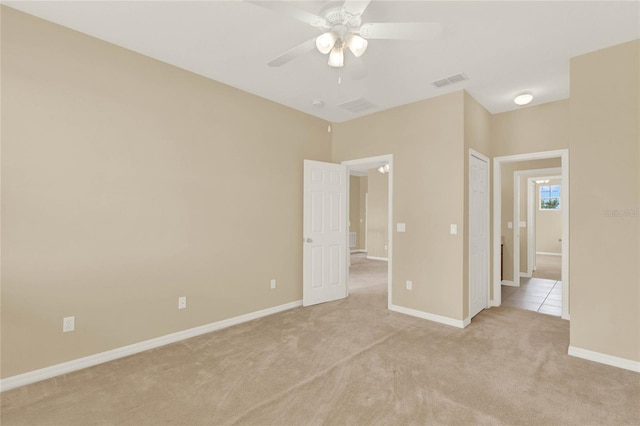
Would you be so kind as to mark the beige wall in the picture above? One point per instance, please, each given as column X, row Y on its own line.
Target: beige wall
column 605, row 197
column 354, row 208
column 548, row 224
column 531, row 129
column 117, row 196
column 357, row 209
column 426, row 140
column 364, row 187
column 507, row 171
column 524, row 131
column 378, row 215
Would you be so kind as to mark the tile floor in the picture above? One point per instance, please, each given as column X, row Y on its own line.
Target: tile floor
column 535, row 294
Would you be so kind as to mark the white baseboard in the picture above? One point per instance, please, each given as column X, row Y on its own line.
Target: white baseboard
column 508, row 283
column 91, row 360
column 525, row 275
column 614, row 361
column 358, row 251
column 546, row 253
column 378, row 258
column 431, row 317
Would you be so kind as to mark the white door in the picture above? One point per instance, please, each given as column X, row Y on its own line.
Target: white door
column 324, row 232
column 478, row 234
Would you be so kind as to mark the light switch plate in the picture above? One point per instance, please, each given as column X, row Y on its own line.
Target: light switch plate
column 401, row 227
column 510, row 225
column 453, row 229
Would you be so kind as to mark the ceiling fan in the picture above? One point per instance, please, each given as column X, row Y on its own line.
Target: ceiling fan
column 342, row 29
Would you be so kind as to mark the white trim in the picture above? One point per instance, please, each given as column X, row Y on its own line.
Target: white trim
column 607, row 359
column 545, row 253
column 366, row 218
column 358, row 251
column 526, row 274
column 386, row 259
column 508, row 284
column 374, row 162
column 430, row 317
column 517, row 181
column 484, row 158
column 531, row 229
column 531, row 218
column 113, row 354
column 497, row 219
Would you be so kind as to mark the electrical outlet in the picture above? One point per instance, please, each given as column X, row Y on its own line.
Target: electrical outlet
column 182, row 302
column 409, row 285
column 68, row 324
column 273, row 284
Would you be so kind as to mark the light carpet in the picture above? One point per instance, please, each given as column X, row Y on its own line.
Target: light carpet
column 350, row 362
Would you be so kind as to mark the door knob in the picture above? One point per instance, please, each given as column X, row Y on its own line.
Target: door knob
column 309, row 240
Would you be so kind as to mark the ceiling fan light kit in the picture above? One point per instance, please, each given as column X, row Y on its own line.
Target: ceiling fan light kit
column 333, row 44
column 341, row 25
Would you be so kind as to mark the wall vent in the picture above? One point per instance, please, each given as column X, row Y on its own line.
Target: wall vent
column 452, row 79
column 357, row 105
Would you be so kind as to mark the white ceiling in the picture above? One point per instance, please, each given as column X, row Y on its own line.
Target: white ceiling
column 504, row 47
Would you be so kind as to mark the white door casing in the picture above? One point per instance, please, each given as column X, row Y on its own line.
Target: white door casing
column 563, row 154
column 324, row 232
column 479, row 244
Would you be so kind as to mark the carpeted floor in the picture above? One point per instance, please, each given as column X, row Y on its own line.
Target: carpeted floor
column 346, row 362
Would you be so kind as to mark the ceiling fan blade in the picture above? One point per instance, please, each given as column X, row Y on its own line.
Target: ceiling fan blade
column 292, row 12
column 401, row 30
column 356, row 7
column 291, row 54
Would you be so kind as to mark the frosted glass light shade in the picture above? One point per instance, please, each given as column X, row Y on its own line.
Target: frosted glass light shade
column 336, row 57
column 326, row 41
column 357, row 45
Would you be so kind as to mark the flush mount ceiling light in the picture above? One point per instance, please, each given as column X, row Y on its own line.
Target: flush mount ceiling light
column 523, row 98
column 341, row 27
column 384, row 169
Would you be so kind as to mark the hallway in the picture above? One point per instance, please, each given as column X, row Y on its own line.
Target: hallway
column 535, row 294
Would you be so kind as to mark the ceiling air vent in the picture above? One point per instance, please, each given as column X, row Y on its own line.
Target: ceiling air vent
column 357, row 105
column 452, row 79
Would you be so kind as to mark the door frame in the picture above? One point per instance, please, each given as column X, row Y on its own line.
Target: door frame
column 517, row 182
column 531, row 220
column 497, row 219
column 474, row 153
column 375, row 162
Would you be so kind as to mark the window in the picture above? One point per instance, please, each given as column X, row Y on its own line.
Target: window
column 550, row 197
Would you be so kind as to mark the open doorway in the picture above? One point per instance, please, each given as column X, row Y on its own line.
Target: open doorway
column 513, row 253
column 544, row 243
column 537, row 284
column 370, row 196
